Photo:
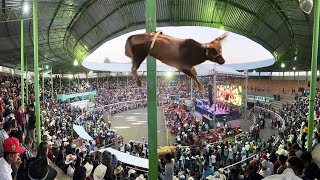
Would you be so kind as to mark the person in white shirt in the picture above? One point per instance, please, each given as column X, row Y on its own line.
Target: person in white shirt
column 11, row 156
column 270, row 164
column 264, row 170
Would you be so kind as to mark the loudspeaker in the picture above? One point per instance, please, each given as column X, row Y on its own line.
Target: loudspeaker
column 210, row 87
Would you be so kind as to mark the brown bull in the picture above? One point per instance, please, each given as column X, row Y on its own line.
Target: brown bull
column 182, row 54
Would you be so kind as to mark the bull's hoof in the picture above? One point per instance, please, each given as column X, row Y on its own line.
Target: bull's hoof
column 139, row 82
column 202, row 89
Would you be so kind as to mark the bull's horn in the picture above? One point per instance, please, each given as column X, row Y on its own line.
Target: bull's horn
column 224, row 35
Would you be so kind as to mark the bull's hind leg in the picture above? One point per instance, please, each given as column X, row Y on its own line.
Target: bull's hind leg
column 193, row 74
column 136, row 62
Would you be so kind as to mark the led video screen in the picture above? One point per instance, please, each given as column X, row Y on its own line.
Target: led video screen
column 229, row 94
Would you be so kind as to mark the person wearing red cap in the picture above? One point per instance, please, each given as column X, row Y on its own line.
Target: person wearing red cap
column 11, row 156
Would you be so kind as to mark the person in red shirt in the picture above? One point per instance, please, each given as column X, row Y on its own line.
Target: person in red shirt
column 50, row 153
column 21, row 120
column 1, row 112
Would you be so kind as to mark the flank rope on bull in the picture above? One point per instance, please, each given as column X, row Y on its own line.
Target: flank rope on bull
column 154, row 39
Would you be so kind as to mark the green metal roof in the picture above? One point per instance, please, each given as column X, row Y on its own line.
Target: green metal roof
column 71, row 29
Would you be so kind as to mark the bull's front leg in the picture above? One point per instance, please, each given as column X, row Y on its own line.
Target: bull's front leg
column 199, row 84
column 136, row 62
column 135, row 76
column 193, row 75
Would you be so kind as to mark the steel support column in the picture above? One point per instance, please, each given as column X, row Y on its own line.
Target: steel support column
column 27, row 83
column 36, row 70
column 152, row 98
column 22, row 61
column 298, row 80
column 289, row 83
column 61, row 75
column 51, row 83
column 191, row 84
column 42, row 85
column 313, row 80
column 246, row 97
column 69, row 84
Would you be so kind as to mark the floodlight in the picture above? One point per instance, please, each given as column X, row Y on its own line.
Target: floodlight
column 75, row 63
column 25, row 8
column 306, row 5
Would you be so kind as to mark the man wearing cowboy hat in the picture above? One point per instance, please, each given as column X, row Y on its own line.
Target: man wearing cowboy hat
column 11, row 156
column 40, row 169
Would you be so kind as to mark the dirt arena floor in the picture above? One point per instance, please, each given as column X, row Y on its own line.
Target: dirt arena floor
column 133, row 125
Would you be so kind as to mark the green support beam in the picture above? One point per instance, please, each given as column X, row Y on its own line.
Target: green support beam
column 22, row 61
column 42, row 85
column 69, row 84
column 51, row 83
column 313, row 80
column 27, row 84
column 36, row 70
column 151, row 96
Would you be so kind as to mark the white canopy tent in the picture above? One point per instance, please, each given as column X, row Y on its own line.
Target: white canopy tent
column 127, row 158
column 202, row 69
column 82, row 132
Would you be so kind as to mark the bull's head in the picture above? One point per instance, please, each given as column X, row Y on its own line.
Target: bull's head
column 214, row 50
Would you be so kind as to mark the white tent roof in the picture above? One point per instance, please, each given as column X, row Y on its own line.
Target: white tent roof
column 82, row 132
column 127, row 158
column 202, row 69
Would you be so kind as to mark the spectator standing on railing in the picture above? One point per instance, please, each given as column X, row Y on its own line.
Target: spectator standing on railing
column 21, row 120
column 31, row 122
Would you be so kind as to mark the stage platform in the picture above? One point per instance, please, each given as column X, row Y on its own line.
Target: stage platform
column 220, row 115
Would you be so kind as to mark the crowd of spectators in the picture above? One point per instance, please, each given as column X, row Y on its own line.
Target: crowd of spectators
column 203, row 159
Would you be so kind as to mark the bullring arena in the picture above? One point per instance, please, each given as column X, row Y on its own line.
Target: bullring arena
column 167, row 89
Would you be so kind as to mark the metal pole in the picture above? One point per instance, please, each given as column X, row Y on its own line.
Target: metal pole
column 214, row 88
column 289, row 83
column 69, row 85
column 22, row 61
column 79, row 79
column 97, row 81
column 269, row 81
column 298, row 80
column 179, row 79
column 191, row 84
column 27, row 83
column 36, row 70
column 51, row 83
column 152, row 98
column 259, row 82
column 60, row 79
column 246, row 98
column 42, row 85
column 313, row 74
column 127, row 81
column 108, row 80
column 117, row 79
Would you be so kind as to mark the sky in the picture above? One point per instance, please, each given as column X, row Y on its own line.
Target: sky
column 236, row 49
